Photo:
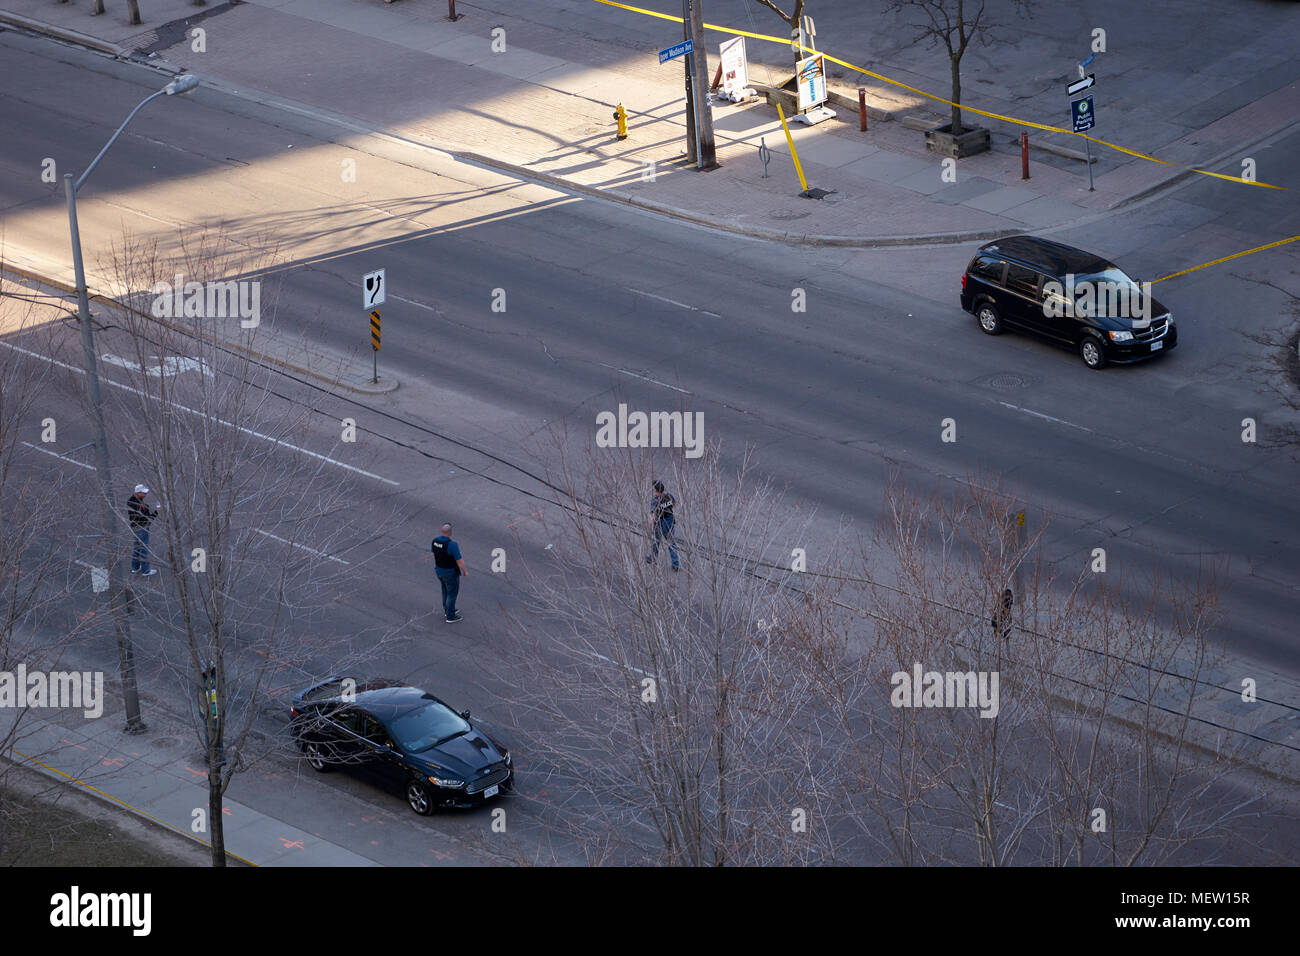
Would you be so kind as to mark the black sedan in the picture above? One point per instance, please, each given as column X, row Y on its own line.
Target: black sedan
column 405, row 736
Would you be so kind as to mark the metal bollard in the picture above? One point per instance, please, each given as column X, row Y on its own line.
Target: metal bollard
column 862, row 108
column 1024, row 154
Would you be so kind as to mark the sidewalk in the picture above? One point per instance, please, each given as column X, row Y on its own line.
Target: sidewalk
column 405, row 69
column 156, row 775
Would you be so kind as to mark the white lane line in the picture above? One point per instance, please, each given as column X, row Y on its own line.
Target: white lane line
column 193, row 411
column 617, row 664
column 418, row 305
column 46, row 451
column 1059, row 421
column 645, row 378
column 319, row 554
column 680, row 305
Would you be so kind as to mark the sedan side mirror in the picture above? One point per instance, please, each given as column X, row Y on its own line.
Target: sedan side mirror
column 465, row 714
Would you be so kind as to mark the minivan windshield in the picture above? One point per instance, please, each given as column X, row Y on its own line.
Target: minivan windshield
column 427, row 726
column 1110, row 292
column 1112, row 275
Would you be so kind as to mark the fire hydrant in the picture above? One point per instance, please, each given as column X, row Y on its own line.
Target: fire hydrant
column 620, row 114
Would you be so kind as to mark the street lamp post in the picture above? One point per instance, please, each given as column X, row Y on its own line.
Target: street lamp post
column 122, row 624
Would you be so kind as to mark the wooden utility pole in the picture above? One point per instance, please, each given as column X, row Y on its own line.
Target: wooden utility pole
column 698, row 65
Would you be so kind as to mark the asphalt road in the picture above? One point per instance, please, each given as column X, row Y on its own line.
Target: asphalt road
column 606, row 305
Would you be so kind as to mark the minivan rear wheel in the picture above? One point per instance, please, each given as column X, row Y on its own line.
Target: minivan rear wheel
column 1092, row 352
column 988, row 317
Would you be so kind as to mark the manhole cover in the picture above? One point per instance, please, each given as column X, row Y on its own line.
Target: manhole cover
column 1008, row 382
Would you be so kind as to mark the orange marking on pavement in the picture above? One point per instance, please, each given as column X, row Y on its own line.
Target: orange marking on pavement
column 522, row 517
column 65, row 740
column 113, row 762
column 202, row 774
column 291, row 844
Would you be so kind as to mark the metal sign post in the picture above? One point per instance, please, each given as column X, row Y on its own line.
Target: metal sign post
column 374, row 292
column 1082, row 111
column 1084, row 118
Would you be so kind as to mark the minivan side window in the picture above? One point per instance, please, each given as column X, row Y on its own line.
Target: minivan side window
column 988, row 268
column 1022, row 280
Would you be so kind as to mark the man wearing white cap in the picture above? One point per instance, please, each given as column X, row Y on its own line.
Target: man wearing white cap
column 140, row 515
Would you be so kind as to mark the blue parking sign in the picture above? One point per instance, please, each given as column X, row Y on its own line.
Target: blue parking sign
column 1082, row 112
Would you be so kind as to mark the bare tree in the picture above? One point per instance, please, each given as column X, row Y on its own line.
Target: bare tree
column 953, row 24
column 668, row 705
column 36, row 550
column 1083, row 754
column 253, row 532
column 792, row 19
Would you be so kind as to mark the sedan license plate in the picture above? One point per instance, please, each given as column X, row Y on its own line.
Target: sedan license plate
column 1157, row 346
column 491, row 791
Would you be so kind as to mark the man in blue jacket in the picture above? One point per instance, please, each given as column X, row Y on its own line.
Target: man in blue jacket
column 451, row 568
column 662, row 522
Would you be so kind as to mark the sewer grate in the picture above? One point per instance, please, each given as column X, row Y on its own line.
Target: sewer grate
column 1008, row 381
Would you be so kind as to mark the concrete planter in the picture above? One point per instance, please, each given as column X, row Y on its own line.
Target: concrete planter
column 940, row 141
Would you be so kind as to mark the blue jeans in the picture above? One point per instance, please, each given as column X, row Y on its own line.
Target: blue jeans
column 664, row 531
column 450, row 581
column 140, row 552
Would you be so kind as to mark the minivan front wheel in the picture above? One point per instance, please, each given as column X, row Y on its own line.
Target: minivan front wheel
column 988, row 318
column 1092, row 352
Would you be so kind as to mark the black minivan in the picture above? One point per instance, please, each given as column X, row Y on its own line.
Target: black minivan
column 1068, row 296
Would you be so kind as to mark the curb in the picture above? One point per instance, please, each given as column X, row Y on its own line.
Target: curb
column 360, row 389
column 59, row 33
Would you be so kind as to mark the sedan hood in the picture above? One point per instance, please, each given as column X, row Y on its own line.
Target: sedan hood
column 464, row 756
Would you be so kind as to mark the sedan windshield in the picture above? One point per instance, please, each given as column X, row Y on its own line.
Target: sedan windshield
column 427, row 726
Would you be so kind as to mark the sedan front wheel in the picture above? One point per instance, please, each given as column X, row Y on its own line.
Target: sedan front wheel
column 418, row 796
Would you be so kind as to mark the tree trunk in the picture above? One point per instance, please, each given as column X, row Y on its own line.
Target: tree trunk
column 216, row 822
column 956, row 94
column 133, row 6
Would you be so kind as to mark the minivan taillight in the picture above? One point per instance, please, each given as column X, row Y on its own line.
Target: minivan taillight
column 963, row 282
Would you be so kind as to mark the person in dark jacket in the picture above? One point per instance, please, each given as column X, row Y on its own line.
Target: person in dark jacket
column 450, row 567
column 140, row 514
column 662, row 521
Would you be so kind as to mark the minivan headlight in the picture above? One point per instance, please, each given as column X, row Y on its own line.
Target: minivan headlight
column 1121, row 336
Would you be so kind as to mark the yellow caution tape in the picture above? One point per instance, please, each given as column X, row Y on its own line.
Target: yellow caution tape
column 1235, row 255
column 798, row 167
column 940, row 99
